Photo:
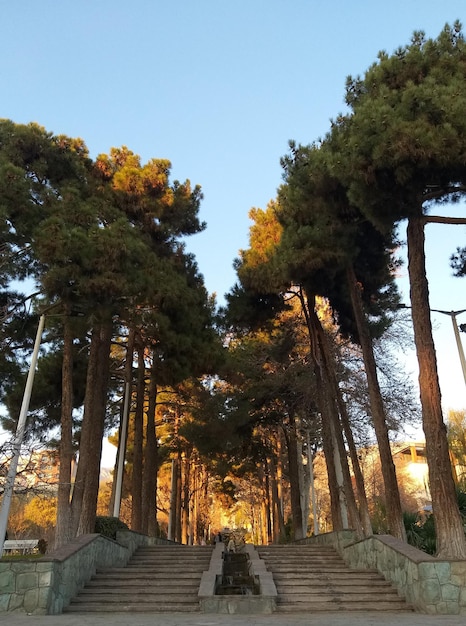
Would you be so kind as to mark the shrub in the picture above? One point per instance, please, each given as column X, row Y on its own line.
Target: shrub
column 108, row 526
column 42, row 546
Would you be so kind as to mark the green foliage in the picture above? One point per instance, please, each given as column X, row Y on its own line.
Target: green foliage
column 109, row 526
column 403, row 145
column 420, row 533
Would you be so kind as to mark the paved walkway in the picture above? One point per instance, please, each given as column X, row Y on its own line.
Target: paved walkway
column 202, row 619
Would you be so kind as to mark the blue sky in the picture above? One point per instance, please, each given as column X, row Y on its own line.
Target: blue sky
column 218, row 88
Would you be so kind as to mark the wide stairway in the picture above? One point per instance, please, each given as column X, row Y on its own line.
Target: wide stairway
column 312, row 578
column 162, row 578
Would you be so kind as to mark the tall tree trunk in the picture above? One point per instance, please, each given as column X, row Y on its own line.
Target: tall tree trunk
column 136, row 483
column 341, row 419
column 293, row 471
column 179, row 484
column 149, row 483
column 185, row 499
column 449, row 528
column 279, row 464
column 86, row 488
column 268, row 503
column 303, row 482
column 63, row 524
column 172, row 523
column 126, row 403
column 392, row 494
column 337, row 504
column 279, row 532
column 328, row 445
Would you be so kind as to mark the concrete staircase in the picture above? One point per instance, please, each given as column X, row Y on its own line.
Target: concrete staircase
column 162, row 578
column 312, row 578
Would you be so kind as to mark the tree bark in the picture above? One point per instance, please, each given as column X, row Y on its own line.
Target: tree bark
column 332, row 392
column 392, row 494
column 63, row 530
column 325, row 418
column 136, row 483
column 149, row 483
column 279, row 532
column 86, row 488
column 185, row 499
column 128, row 386
column 449, row 528
column 360, row 518
column 293, row 471
column 179, row 484
column 172, row 523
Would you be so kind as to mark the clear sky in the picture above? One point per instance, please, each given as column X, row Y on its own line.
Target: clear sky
column 218, row 88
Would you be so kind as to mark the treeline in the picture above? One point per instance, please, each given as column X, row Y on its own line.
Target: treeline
column 333, row 230
column 101, row 240
column 292, row 364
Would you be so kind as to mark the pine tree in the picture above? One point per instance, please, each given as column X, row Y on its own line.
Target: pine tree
column 401, row 150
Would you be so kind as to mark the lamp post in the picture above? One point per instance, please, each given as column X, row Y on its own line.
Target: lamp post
column 18, row 440
column 459, row 345
column 452, row 315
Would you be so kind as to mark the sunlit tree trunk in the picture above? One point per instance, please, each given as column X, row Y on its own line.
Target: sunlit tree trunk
column 279, row 532
column 449, row 528
column 337, row 504
column 336, row 403
column 149, row 484
column 86, row 488
column 185, row 499
column 173, row 499
column 128, row 386
column 392, row 494
column 136, row 483
column 179, row 498
column 341, row 459
column 268, row 503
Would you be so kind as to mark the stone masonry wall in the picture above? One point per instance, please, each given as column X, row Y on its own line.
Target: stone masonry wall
column 46, row 585
column 430, row 585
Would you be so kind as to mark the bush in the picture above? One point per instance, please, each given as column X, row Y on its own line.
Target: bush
column 42, row 546
column 108, row 526
column 420, row 533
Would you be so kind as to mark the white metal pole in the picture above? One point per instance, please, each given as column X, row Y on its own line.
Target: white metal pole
column 11, row 476
column 122, row 452
column 459, row 344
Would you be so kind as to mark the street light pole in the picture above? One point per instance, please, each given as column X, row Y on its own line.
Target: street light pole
column 10, row 479
column 459, row 345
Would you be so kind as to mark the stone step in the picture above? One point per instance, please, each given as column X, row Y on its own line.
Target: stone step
column 333, row 594
column 165, row 567
column 339, row 606
column 145, row 596
column 295, row 549
column 352, row 576
column 133, row 608
column 310, row 579
column 170, row 564
column 113, row 581
column 201, row 551
column 347, row 586
column 143, row 574
column 157, row 579
column 97, row 586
